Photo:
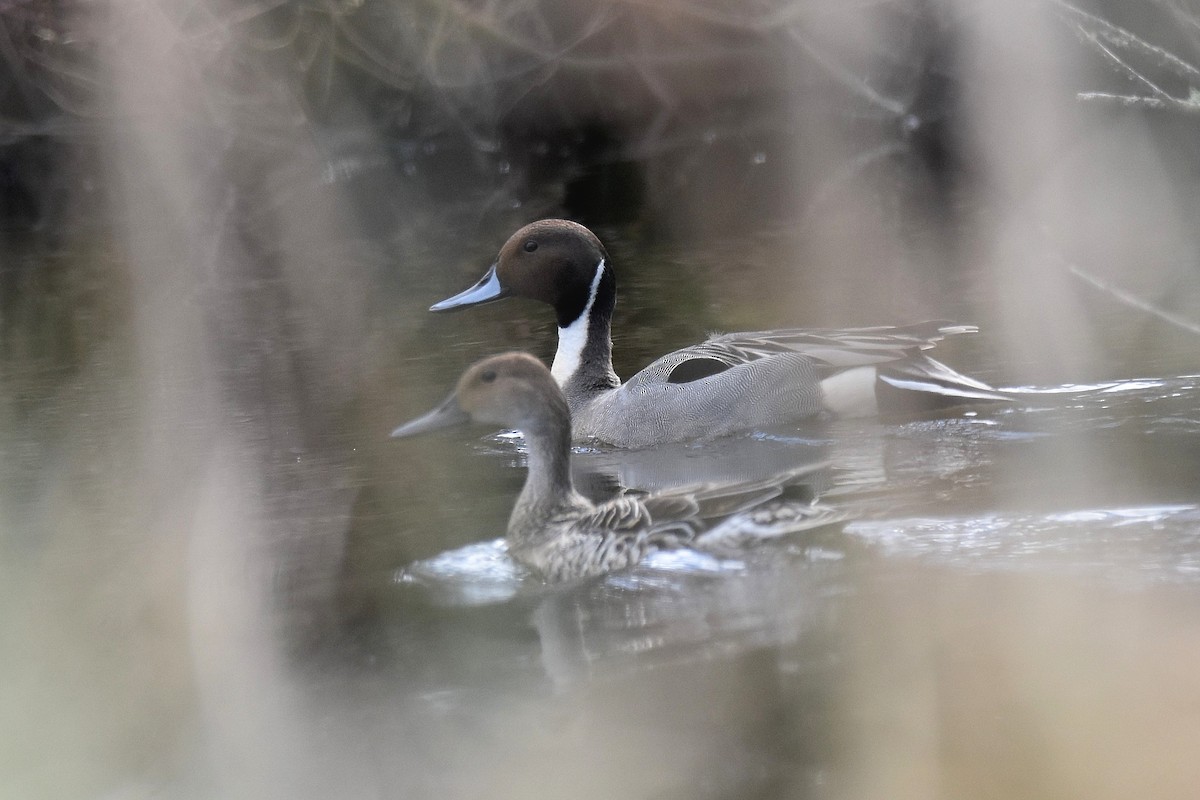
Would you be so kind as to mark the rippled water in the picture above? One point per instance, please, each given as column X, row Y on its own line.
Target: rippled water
column 965, row 492
column 910, row 486
column 994, row 560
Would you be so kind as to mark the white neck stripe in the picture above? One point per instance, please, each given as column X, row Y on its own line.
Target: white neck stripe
column 573, row 338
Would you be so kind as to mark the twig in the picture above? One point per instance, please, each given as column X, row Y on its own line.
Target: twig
column 1132, row 300
column 1116, row 59
column 846, row 77
column 1191, row 105
column 1093, row 27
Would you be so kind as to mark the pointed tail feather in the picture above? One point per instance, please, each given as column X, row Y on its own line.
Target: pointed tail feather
column 925, row 384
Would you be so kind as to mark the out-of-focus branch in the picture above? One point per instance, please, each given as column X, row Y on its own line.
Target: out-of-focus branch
column 1132, row 300
column 1092, row 29
column 1168, row 103
column 1117, row 45
column 845, row 77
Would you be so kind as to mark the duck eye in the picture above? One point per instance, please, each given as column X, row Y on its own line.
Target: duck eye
column 530, row 246
column 487, row 376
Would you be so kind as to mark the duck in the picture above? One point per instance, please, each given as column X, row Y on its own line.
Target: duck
column 561, row 535
column 729, row 383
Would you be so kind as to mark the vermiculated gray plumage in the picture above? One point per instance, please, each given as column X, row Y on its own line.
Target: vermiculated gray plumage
column 729, row 383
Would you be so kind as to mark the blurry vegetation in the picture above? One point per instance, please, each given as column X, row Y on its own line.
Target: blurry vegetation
column 574, row 104
column 612, row 112
column 221, row 224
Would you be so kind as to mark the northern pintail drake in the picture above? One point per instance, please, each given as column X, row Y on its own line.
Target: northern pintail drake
column 730, row 383
column 561, row 534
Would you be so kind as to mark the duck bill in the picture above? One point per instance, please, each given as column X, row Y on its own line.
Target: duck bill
column 487, row 290
column 446, row 415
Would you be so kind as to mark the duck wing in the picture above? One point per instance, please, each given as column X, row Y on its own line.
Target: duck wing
column 664, row 507
column 715, row 501
column 621, row 514
column 833, row 349
column 768, row 521
column 728, row 518
column 718, row 518
column 623, row 531
column 661, row 521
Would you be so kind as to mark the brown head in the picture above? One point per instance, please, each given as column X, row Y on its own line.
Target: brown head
column 553, row 260
column 512, row 389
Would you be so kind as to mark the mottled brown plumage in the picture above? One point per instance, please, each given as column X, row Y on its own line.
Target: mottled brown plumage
column 561, row 534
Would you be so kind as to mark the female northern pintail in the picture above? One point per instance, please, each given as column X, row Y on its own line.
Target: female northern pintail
column 560, row 533
column 732, row 382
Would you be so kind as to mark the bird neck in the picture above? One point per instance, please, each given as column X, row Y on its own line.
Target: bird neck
column 548, row 489
column 583, row 362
